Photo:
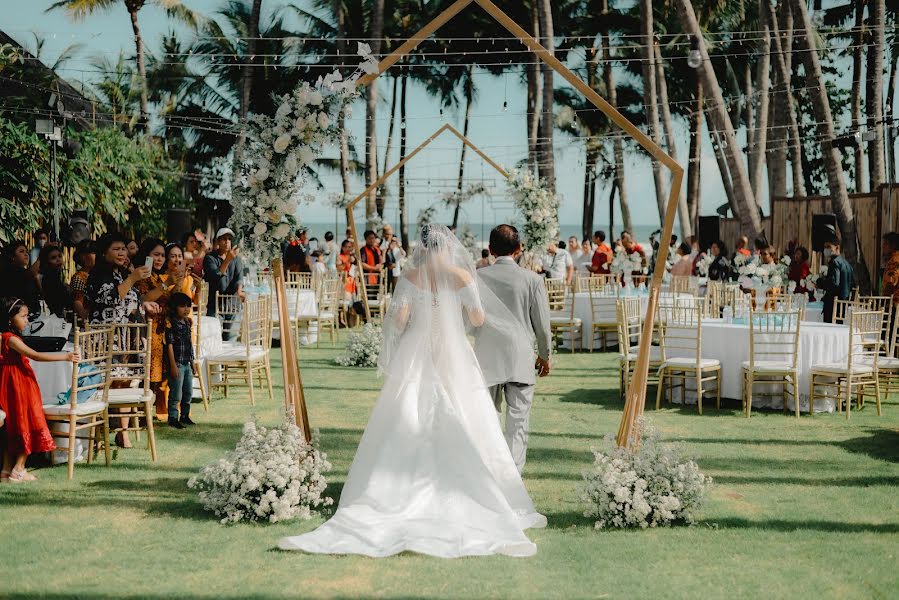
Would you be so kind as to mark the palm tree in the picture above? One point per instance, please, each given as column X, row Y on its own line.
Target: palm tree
column 650, row 100
column 117, row 89
column 371, row 109
column 64, row 56
column 874, row 99
column 79, row 9
column 547, row 125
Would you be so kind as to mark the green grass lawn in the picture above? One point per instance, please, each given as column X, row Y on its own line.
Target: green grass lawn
column 800, row 509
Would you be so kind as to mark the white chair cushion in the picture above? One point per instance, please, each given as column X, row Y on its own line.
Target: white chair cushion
column 90, row 407
column 130, row 395
column 841, row 369
column 564, row 320
column 235, row 353
column 690, row 363
column 325, row 314
column 768, row 366
column 884, row 362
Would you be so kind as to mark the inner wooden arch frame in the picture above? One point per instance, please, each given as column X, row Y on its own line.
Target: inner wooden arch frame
column 351, row 219
column 636, row 395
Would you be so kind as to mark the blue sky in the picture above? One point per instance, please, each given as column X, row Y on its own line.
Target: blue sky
column 501, row 134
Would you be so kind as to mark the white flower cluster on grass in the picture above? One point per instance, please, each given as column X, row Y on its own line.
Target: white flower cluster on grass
column 539, row 209
column 651, row 486
column 363, row 348
column 272, row 475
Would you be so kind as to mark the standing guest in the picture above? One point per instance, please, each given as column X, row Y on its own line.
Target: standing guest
column 18, row 279
column 180, row 360
column 683, row 265
column 484, row 261
column 889, row 247
column 372, row 258
column 389, row 260
column 557, row 263
column 319, row 270
column 840, row 279
column 719, row 269
column 20, row 396
column 766, row 252
column 223, row 270
column 799, row 271
column 54, row 291
column 386, row 237
column 585, row 260
column 296, row 260
column 601, row 262
column 695, row 253
column 574, row 249
column 85, row 258
column 112, row 296
column 743, row 247
column 303, row 241
column 133, row 249
column 330, row 252
column 155, row 289
column 194, row 253
column 398, row 257
column 346, row 268
column 349, row 234
column 41, row 238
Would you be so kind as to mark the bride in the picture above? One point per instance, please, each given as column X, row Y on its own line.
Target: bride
column 433, row 473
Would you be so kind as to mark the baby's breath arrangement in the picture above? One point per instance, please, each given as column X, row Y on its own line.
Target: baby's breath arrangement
column 652, row 486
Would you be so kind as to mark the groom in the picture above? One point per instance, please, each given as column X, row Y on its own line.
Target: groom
column 523, row 293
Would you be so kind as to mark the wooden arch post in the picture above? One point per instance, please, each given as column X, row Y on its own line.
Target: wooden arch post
column 636, row 395
column 294, row 396
column 351, row 219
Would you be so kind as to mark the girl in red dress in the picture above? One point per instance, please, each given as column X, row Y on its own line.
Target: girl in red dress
column 20, row 397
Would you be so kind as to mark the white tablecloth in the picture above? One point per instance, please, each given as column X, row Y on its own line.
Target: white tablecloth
column 729, row 343
column 299, row 305
column 53, row 377
column 210, row 343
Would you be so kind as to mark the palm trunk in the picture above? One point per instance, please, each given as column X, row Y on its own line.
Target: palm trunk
column 401, row 194
column 832, row 159
column 861, row 179
column 469, row 97
column 371, row 111
column 694, row 167
column 340, row 17
column 874, row 101
column 381, row 200
column 141, row 60
column 760, row 137
column 649, row 97
column 686, row 225
column 725, row 172
column 248, row 72
column 743, row 200
column 617, row 143
column 888, row 117
column 749, row 119
column 535, row 98
column 547, row 158
column 589, row 205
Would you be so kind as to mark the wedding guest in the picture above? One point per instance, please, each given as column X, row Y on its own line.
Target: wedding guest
column 194, row 252
column 155, row 289
column 20, row 396
column 557, row 263
column 223, row 270
column 484, row 261
column 695, row 253
column 601, row 262
column 683, row 265
column 766, row 253
column 41, row 238
column 743, row 247
column 19, row 279
column 574, row 249
column 295, row 258
column 54, row 291
column 180, row 360
column 330, row 252
column 303, row 241
column 585, row 260
column 386, row 237
column 719, row 269
column 372, row 258
column 889, row 247
column 398, row 257
column 346, row 268
column 85, row 258
column 799, row 271
column 840, row 278
column 133, row 249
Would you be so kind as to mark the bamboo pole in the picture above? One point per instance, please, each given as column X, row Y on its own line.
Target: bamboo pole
column 637, row 390
column 294, row 396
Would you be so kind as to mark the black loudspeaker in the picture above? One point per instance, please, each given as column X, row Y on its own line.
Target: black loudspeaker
column 177, row 224
column 824, row 228
column 709, row 231
column 77, row 229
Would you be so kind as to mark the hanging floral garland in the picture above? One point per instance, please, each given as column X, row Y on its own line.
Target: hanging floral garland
column 270, row 180
column 538, row 207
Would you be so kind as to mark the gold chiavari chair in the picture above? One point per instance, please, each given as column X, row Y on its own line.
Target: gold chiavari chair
column 562, row 321
column 888, row 363
column 375, row 291
column 684, row 284
column 328, row 305
column 243, row 362
column 228, row 309
column 202, row 301
column 630, row 328
column 843, row 308
column 773, row 355
column 603, row 310
column 90, row 375
column 858, row 372
column 681, row 353
column 299, row 280
column 714, row 293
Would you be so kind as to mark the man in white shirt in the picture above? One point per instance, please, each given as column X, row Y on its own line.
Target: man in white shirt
column 558, row 264
column 330, row 252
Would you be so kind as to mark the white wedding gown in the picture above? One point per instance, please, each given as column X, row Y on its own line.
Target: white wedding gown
column 433, row 473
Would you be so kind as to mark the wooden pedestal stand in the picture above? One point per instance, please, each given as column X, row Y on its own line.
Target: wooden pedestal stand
column 294, row 397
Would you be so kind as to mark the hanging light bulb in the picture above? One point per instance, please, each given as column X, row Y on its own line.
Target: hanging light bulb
column 694, row 57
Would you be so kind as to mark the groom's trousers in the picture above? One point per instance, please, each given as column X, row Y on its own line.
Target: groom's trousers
column 519, row 398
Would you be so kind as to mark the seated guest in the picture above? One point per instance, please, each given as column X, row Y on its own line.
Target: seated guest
column 766, row 252
column 889, row 247
column 743, row 247
column 18, row 279
column 223, row 270
column 683, row 265
column 840, row 278
column 719, row 269
column 54, row 291
column 799, row 270
column 85, row 258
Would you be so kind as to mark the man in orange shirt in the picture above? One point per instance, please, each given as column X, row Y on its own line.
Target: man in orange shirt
column 743, row 246
column 602, row 256
column 372, row 259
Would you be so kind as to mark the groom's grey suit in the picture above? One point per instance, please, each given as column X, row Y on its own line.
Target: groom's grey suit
column 523, row 293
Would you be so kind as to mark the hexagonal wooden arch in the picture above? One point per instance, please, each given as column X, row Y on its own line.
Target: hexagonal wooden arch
column 636, row 395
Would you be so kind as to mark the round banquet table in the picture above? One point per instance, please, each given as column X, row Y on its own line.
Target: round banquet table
column 301, row 304
column 55, row 378
column 729, row 343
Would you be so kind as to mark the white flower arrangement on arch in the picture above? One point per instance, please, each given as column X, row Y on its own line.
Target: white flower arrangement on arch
column 270, row 179
column 649, row 486
column 538, row 207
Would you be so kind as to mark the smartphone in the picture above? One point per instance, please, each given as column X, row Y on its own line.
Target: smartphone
column 148, row 263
